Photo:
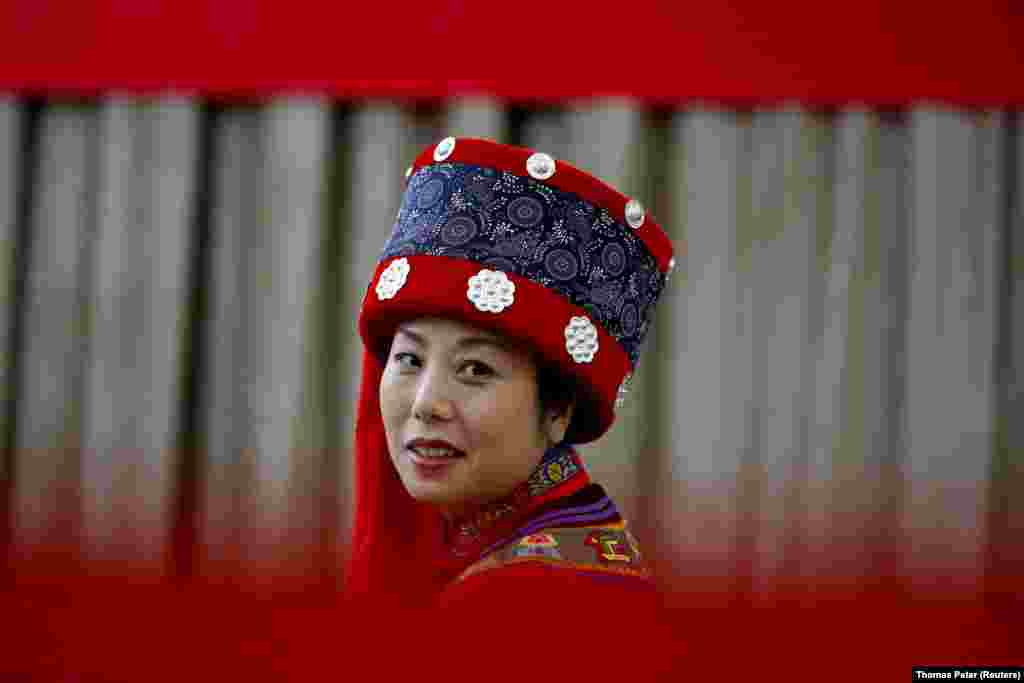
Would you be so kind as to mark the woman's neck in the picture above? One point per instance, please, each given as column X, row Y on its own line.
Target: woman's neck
column 484, row 513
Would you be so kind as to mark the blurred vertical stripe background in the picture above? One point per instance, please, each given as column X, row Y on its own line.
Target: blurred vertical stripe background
column 193, row 197
column 833, row 383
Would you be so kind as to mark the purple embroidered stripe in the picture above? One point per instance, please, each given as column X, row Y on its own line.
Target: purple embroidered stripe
column 574, row 519
column 601, row 511
column 580, row 510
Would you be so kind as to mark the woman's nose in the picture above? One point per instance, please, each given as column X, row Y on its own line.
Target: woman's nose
column 432, row 401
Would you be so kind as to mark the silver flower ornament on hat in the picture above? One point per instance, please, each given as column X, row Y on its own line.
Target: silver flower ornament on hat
column 581, row 339
column 540, row 166
column 444, row 149
column 491, row 291
column 635, row 214
column 392, row 279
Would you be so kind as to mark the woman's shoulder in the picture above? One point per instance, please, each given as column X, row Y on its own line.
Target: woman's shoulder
column 579, row 537
column 601, row 550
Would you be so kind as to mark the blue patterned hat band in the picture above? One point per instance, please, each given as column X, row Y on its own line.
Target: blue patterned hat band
column 523, row 226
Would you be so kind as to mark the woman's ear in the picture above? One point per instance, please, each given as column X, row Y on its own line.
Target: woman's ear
column 558, row 425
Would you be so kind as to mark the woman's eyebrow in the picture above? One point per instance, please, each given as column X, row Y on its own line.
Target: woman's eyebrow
column 473, row 342
column 412, row 335
column 462, row 344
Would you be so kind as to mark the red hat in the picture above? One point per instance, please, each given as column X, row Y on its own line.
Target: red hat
column 511, row 240
column 530, row 247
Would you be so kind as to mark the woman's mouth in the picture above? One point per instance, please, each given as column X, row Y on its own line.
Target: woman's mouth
column 433, row 449
column 435, row 452
column 433, row 455
column 432, row 463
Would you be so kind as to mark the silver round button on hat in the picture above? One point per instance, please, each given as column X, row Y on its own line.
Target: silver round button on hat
column 635, row 214
column 444, row 149
column 540, row 166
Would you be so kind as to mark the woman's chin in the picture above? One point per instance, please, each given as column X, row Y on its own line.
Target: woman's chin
column 431, row 490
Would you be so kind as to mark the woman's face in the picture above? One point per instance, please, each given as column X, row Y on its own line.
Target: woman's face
column 460, row 410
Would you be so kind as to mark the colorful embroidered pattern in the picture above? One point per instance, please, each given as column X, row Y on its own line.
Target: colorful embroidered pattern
column 609, row 546
column 539, row 540
column 520, row 225
column 604, row 549
column 537, row 545
column 557, row 467
column 601, row 512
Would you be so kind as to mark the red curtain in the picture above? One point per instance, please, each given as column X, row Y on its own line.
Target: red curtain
column 734, row 52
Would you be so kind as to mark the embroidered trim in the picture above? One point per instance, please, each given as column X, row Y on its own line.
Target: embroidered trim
column 479, row 530
column 608, row 548
column 553, row 470
column 561, row 563
column 602, row 511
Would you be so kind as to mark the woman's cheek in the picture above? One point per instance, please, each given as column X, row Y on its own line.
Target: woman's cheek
column 391, row 401
column 483, row 415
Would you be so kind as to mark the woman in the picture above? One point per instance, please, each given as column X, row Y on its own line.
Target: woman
column 502, row 323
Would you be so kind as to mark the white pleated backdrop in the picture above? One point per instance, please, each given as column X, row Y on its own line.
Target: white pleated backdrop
column 838, row 362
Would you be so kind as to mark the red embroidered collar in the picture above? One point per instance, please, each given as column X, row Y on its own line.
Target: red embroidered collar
column 560, row 473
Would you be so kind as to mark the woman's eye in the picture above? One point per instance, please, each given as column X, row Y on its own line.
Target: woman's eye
column 406, row 360
column 476, row 369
